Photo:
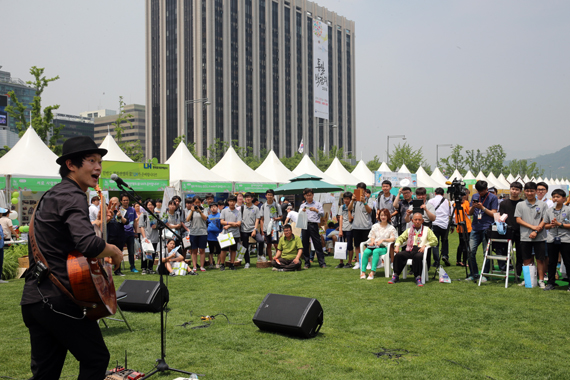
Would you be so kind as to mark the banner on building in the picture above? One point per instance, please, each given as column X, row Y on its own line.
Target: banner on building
column 397, row 179
column 321, row 69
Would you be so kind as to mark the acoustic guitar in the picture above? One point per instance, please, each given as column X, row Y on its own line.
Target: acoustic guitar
column 91, row 279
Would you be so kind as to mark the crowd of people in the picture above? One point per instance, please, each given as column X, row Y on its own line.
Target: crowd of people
column 398, row 225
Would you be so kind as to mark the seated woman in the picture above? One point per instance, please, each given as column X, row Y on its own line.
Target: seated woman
column 173, row 261
column 380, row 237
column 418, row 238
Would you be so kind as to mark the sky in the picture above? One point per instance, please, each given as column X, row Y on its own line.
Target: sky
column 473, row 72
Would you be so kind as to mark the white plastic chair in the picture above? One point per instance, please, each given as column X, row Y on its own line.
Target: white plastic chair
column 409, row 264
column 384, row 259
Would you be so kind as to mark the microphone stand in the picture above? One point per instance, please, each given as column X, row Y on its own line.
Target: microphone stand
column 161, row 365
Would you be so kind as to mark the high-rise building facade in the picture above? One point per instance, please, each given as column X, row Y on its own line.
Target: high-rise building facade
column 73, row 126
column 251, row 71
column 25, row 94
column 102, row 124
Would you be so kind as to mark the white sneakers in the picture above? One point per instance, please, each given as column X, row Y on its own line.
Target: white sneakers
column 356, row 266
column 246, row 266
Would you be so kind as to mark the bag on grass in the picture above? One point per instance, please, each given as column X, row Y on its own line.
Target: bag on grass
column 529, row 273
column 443, row 276
column 241, row 249
column 340, row 248
column 180, row 268
column 226, row 240
column 302, row 220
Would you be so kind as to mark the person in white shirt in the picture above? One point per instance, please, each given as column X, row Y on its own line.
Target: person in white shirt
column 541, row 190
column 94, row 208
column 440, row 226
column 380, row 237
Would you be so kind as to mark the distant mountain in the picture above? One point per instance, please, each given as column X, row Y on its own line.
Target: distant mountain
column 558, row 162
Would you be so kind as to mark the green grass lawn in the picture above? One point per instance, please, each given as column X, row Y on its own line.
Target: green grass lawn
column 442, row 331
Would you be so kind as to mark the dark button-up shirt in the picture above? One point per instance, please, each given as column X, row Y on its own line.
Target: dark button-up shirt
column 61, row 226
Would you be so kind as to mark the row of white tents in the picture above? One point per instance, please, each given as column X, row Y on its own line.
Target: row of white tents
column 30, row 157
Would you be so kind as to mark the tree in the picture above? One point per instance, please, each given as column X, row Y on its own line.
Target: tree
column 133, row 149
column 404, row 154
column 494, row 160
column 292, row 162
column 475, row 161
column 374, row 164
column 4, row 150
column 41, row 122
column 455, row 160
column 324, row 160
column 523, row 168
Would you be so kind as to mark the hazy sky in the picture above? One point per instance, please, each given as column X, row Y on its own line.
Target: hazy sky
column 474, row 73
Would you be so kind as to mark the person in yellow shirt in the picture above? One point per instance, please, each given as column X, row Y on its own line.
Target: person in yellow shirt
column 289, row 252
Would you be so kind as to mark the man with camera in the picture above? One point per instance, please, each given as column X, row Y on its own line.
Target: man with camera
column 483, row 205
column 402, row 206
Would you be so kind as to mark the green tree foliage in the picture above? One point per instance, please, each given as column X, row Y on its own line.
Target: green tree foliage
column 374, row 164
column 523, row 168
column 4, row 150
column 456, row 160
column 325, row 159
column 42, row 121
column 494, row 160
column 292, row 162
column 405, row 154
column 133, row 149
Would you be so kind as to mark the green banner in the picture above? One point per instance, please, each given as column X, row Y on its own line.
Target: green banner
column 207, row 187
column 135, row 170
column 255, row 187
column 136, row 184
column 34, row 184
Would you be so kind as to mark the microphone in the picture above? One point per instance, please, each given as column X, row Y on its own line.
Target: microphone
column 119, row 181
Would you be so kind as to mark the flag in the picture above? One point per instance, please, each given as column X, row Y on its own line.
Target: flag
column 301, row 146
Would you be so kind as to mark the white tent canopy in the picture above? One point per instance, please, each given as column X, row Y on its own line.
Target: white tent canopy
column 30, row 157
column 306, row 166
column 469, row 175
column 504, row 181
column 455, row 175
column 384, row 168
column 185, row 167
column 498, row 184
column 438, row 177
column 363, row 174
column 233, row 169
column 526, row 179
column 273, row 168
column 340, row 174
column 510, row 178
column 424, row 180
column 114, row 153
column 404, row 169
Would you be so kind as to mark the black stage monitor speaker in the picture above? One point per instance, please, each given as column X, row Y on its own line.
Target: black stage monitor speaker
column 142, row 295
column 289, row 315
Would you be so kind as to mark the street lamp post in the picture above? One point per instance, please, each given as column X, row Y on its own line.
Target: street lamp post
column 191, row 101
column 437, row 152
column 403, row 137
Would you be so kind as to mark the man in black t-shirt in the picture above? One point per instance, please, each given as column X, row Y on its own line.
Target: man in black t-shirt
column 508, row 207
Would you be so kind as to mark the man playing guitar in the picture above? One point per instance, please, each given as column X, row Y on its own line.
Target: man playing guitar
column 61, row 225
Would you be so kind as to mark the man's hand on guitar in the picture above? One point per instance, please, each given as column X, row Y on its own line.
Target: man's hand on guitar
column 114, row 253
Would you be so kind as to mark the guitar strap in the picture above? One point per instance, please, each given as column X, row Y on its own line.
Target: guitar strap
column 39, row 257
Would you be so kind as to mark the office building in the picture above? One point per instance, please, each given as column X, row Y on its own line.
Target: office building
column 73, row 126
column 274, row 73
column 98, row 113
column 25, row 94
column 103, row 125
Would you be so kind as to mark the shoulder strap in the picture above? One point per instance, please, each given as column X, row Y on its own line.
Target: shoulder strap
column 440, row 202
column 39, row 257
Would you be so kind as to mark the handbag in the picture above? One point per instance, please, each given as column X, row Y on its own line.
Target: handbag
column 302, row 220
column 226, row 240
column 147, row 247
column 186, row 242
column 529, row 273
column 340, row 248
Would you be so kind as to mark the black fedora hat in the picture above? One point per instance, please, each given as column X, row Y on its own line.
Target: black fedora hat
column 79, row 145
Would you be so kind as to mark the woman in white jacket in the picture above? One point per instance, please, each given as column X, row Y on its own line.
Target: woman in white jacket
column 380, row 237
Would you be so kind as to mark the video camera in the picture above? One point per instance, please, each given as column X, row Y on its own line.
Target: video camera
column 456, row 189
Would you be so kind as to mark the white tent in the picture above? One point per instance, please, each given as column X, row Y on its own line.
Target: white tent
column 185, row 167
column 526, row 179
column 404, row 169
column 424, row 180
column 540, row 179
column 30, row 157
column 481, row 177
column 384, row 168
column 510, row 178
column 233, row 169
column 114, row 153
column 504, row 181
column 273, row 168
column 438, row 177
column 468, row 175
column 306, row 166
column 498, row 184
column 340, row 174
column 557, row 181
column 456, row 175
column 363, row 174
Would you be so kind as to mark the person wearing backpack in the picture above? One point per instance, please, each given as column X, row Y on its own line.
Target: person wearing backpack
column 440, row 226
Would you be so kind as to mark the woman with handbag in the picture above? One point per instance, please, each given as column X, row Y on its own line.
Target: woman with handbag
column 379, row 239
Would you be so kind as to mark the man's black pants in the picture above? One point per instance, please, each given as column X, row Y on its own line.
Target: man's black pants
column 312, row 232
column 401, row 258
column 52, row 335
column 441, row 234
column 553, row 251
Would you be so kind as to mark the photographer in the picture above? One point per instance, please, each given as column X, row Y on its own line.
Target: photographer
column 483, row 205
column 402, row 206
column 198, row 233
column 440, row 226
